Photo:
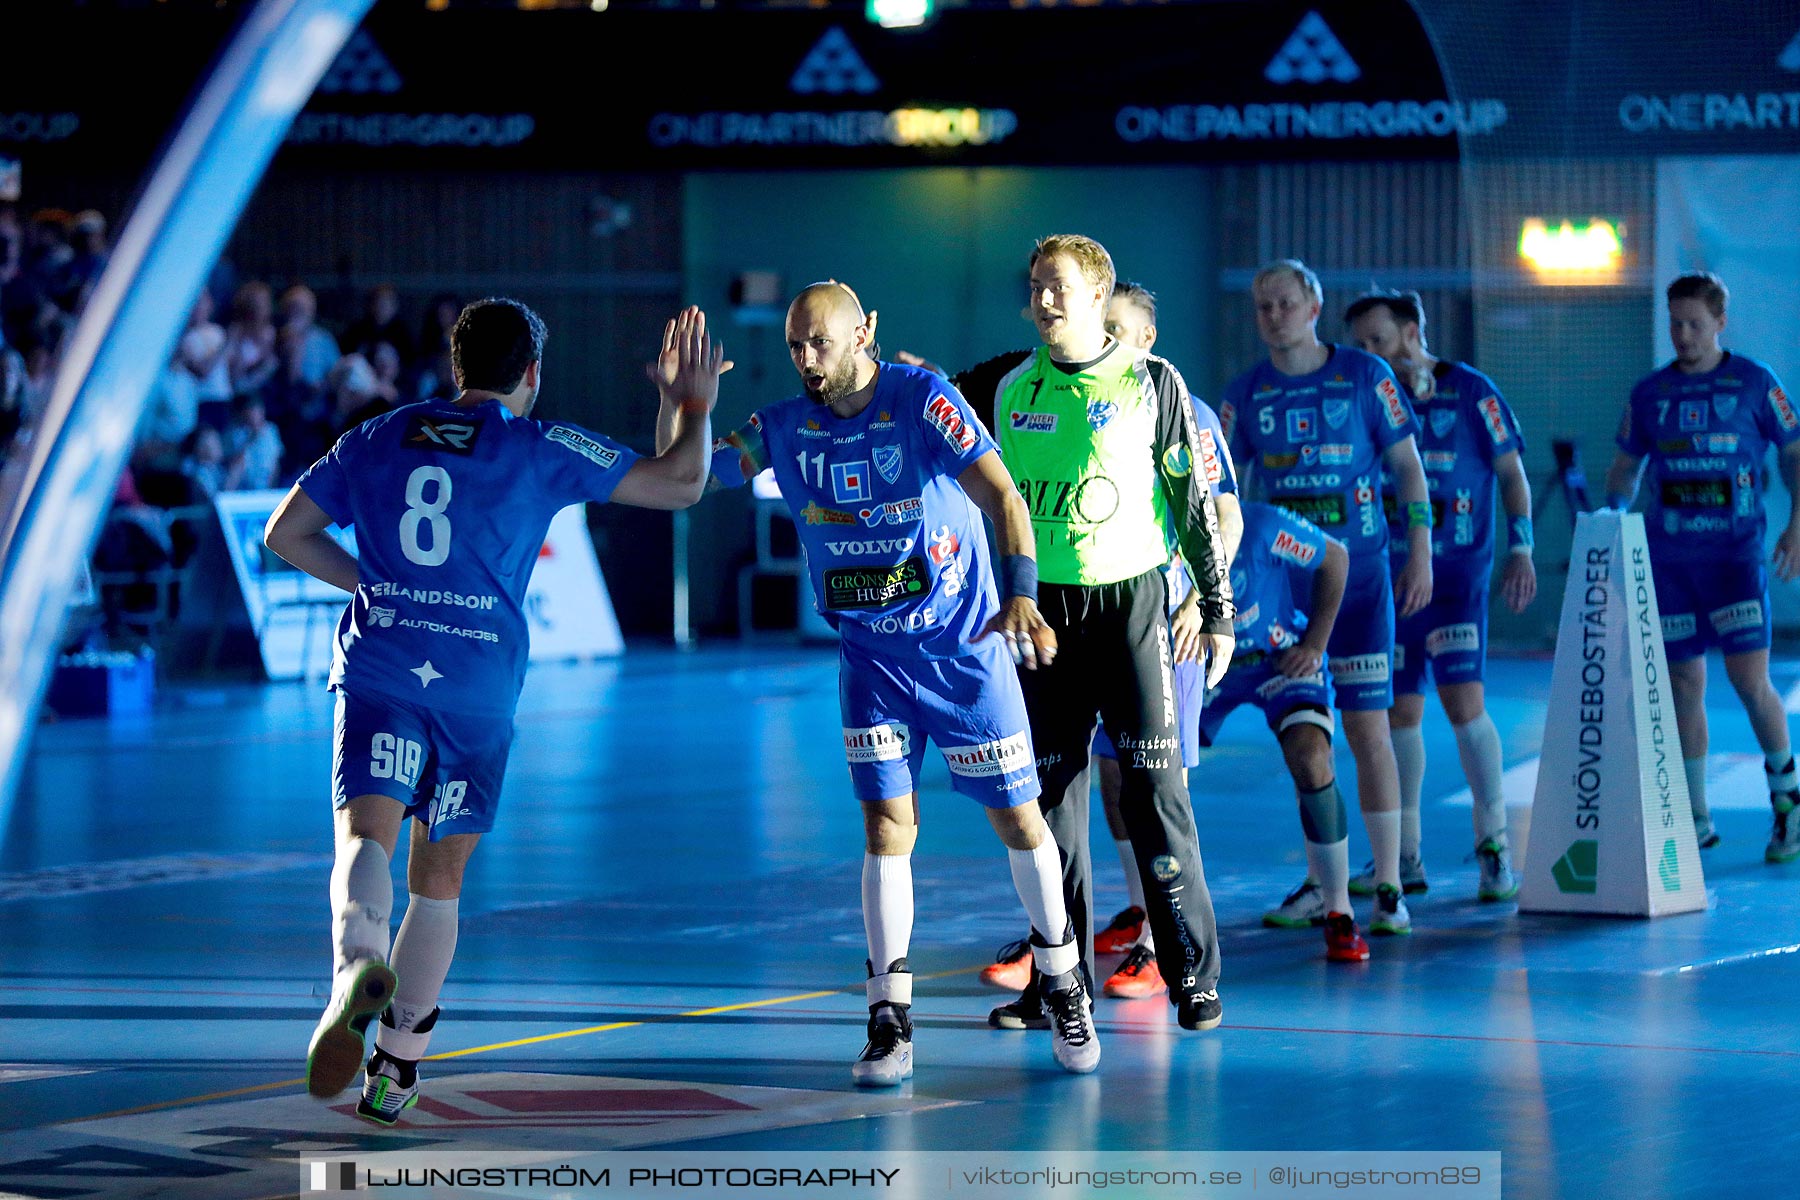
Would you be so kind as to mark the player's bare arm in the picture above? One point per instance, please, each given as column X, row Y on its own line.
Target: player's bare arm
column 1786, row 558
column 686, row 374
column 1019, row 622
column 1518, row 578
column 1304, row 659
column 1412, row 590
column 297, row 532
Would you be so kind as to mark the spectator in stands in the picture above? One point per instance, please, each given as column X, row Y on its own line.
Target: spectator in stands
column 431, row 373
column 380, row 322
column 250, row 339
column 87, row 237
column 171, row 414
column 201, row 352
column 357, row 394
column 308, row 350
column 203, row 462
column 252, row 443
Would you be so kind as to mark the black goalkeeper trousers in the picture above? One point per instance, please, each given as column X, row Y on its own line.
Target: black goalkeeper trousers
column 1113, row 662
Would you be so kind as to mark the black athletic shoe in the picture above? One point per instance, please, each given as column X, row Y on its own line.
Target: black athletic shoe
column 1027, row 1012
column 1200, row 1010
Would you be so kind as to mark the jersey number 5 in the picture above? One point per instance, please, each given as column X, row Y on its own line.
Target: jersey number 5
column 420, row 513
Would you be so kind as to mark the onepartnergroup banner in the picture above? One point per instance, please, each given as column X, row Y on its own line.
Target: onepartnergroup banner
column 917, row 1175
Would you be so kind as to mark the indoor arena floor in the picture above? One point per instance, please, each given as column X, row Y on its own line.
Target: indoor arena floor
column 662, row 946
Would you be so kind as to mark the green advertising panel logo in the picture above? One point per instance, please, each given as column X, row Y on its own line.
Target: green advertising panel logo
column 1670, row 867
column 1578, row 870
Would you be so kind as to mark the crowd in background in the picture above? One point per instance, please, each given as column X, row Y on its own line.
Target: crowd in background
column 258, row 385
column 257, row 388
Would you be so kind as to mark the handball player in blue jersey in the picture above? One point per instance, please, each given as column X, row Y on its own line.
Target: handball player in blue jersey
column 1313, row 426
column 1705, row 422
column 450, row 501
column 1469, row 441
column 1288, row 577
column 888, row 474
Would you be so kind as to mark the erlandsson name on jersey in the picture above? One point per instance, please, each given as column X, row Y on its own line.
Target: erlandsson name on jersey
column 432, row 596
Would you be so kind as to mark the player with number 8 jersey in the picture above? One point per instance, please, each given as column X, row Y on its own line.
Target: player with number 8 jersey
column 450, row 501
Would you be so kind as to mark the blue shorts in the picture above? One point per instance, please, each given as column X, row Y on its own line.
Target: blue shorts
column 970, row 707
column 1190, row 682
column 1253, row 679
column 1447, row 636
column 1723, row 604
column 446, row 768
column 1362, row 640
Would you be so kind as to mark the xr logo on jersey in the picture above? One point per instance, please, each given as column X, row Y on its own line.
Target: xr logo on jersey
column 441, row 436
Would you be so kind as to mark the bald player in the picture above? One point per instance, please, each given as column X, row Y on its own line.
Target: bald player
column 888, row 473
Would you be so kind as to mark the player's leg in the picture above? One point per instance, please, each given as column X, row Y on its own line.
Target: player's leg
column 1741, row 621
column 1411, row 666
column 973, row 708
column 884, row 749
column 1457, row 645
column 1127, row 928
column 378, row 753
column 1362, row 643
column 1138, row 707
column 1060, row 706
column 1685, row 637
column 1304, row 729
column 463, row 779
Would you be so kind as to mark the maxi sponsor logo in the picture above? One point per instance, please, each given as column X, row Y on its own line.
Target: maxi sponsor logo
column 947, row 419
column 1293, row 549
column 1654, row 726
column 1590, row 735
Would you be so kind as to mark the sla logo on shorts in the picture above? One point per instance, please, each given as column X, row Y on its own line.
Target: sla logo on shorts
column 848, row 588
column 877, row 743
column 1449, row 639
column 587, row 447
column 1360, row 668
column 1166, row 868
column 1735, row 618
column 1678, row 626
column 1398, row 415
column 947, row 420
column 990, row 758
column 441, row 436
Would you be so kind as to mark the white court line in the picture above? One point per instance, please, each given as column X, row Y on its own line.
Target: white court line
column 1727, row 960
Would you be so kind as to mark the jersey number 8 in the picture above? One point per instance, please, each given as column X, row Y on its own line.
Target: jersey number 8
column 419, row 512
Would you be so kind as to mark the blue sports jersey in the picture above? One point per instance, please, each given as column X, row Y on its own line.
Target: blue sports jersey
column 1272, row 579
column 896, row 550
column 450, row 507
column 1316, row 441
column 1706, row 437
column 1463, row 428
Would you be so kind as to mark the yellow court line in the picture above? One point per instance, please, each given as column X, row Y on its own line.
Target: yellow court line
column 548, row 1037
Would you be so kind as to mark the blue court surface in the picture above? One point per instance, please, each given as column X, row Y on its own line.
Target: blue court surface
column 662, row 947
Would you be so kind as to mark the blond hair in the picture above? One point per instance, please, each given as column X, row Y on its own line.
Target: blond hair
column 1095, row 263
column 1296, row 270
